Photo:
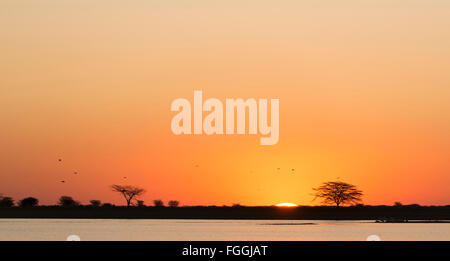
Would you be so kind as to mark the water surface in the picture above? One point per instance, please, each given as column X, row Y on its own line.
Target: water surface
column 229, row 230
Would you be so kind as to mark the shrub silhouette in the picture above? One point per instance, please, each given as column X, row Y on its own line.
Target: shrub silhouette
column 95, row 203
column 66, row 201
column 173, row 203
column 29, row 202
column 6, row 202
column 158, row 203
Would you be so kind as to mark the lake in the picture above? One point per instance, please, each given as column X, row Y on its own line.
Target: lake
column 228, row 230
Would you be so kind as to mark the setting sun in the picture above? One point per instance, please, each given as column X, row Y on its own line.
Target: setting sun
column 286, row 205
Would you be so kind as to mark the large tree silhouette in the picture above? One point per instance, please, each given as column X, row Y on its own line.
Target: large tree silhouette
column 337, row 192
column 128, row 192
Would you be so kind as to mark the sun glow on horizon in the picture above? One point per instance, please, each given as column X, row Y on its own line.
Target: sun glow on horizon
column 286, row 205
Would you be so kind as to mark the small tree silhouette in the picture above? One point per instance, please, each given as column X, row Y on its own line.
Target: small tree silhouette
column 140, row 203
column 6, row 202
column 337, row 192
column 158, row 203
column 29, row 202
column 66, row 201
column 95, row 203
column 128, row 192
column 173, row 203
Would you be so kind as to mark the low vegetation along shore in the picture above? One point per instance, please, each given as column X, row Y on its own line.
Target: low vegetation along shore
column 336, row 193
column 384, row 213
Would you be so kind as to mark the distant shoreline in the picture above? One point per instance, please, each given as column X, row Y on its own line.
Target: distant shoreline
column 390, row 213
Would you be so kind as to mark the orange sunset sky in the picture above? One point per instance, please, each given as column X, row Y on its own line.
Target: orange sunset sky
column 364, row 89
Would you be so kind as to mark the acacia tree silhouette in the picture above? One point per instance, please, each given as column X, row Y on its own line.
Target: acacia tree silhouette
column 128, row 192
column 338, row 192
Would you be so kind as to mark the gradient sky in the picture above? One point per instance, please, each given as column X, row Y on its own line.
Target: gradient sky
column 364, row 89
